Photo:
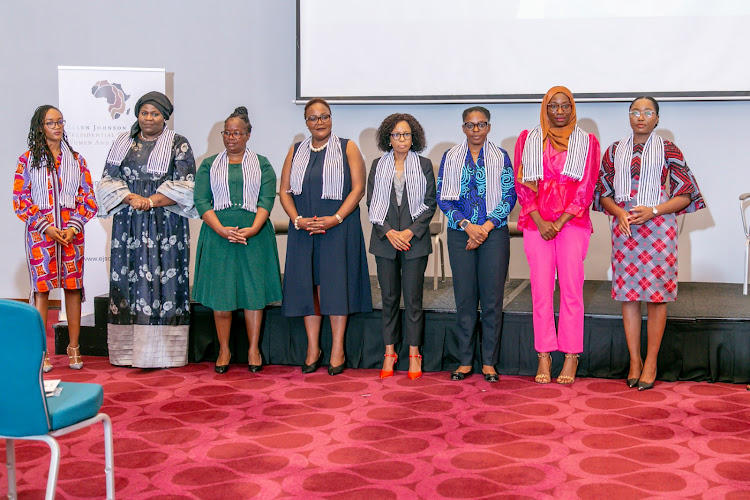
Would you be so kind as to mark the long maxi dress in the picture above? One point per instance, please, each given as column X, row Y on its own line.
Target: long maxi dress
column 149, row 298
column 50, row 264
column 644, row 265
column 230, row 276
column 336, row 260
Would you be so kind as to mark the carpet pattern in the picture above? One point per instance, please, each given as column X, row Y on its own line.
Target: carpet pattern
column 190, row 433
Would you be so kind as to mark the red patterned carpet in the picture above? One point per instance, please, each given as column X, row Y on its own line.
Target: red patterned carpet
column 190, row 433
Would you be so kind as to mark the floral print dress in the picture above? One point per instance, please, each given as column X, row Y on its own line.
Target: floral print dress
column 149, row 298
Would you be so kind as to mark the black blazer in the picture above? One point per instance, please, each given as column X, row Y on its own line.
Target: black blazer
column 399, row 218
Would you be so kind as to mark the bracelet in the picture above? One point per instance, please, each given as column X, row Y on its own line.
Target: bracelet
column 296, row 222
column 150, row 203
column 338, row 218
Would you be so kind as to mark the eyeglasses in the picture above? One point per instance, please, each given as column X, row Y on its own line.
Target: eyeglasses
column 236, row 134
column 405, row 136
column 313, row 119
column 647, row 113
column 58, row 123
column 554, row 107
column 472, row 125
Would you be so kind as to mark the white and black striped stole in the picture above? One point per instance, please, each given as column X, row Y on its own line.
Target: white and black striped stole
column 533, row 152
column 652, row 163
column 158, row 160
column 333, row 168
column 70, row 180
column 416, row 186
column 494, row 162
column 251, row 179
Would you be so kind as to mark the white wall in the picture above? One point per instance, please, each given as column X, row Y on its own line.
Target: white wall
column 223, row 54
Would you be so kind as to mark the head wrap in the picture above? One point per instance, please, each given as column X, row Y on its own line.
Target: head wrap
column 156, row 99
column 558, row 136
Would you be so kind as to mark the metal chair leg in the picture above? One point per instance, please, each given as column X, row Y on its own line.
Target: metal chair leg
column 747, row 256
column 54, row 466
column 109, row 457
column 435, row 262
column 10, row 453
column 442, row 260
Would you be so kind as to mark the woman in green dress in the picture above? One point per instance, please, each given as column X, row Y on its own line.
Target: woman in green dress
column 237, row 263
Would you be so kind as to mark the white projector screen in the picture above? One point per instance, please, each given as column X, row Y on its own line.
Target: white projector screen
column 514, row 50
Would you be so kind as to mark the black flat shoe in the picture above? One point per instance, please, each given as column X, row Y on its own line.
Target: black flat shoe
column 491, row 377
column 315, row 365
column 336, row 370
column 457, row 375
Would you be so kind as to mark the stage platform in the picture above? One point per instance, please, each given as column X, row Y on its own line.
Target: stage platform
column 707, row 335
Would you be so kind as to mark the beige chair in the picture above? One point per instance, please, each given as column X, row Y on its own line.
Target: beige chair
column 280, row 227
column 437, row 230
column 743, row 206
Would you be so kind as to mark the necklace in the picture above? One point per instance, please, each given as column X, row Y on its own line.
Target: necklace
column 149, row 140
column 318, row 150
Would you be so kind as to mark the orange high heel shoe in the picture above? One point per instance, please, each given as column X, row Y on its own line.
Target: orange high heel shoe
column 416, row 375
column 389, row 373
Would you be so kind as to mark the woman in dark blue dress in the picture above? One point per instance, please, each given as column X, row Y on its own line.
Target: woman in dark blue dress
column 322, row 183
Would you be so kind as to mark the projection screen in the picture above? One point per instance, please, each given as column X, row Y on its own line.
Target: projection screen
column 514, row 50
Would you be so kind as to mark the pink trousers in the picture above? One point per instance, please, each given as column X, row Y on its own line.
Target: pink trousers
column 564, row 253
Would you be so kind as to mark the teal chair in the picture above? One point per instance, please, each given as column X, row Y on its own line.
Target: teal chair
column 25, row 412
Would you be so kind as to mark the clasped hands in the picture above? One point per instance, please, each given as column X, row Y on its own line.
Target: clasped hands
column 63, row 237
column 637, row 215
column 237, row 235
column 138, row 202
column 400, row 240
column 477, row 234
column 317, row 225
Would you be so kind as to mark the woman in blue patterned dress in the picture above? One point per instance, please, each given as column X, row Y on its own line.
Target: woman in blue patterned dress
column 632, row 188
column 475, row 189
column 148, row 185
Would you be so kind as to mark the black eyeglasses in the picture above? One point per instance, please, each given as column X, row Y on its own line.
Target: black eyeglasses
column 647, row 113
column 554, row 107
column 471, row 125
column 236, row 134
column 313, row 119
column 58, row 123
column 405, row 136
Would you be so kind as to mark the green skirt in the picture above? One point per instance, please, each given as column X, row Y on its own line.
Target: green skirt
column 230, row 276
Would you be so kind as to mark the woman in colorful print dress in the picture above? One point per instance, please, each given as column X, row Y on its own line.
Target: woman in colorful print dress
column 632, row 188
column 237, row 263
column 53, row 195
column 148, row 185
column 557, row 166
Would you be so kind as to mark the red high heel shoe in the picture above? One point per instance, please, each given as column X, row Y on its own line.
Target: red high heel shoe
column 416, row 375
column 389, row 373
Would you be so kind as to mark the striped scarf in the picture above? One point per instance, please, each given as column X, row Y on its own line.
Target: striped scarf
column 250, row 181
column 333, row 168
column 70, row 180
column 494, row 162
column 158, row 160
column 416, row 185
column 575, row 162
column 652, row 163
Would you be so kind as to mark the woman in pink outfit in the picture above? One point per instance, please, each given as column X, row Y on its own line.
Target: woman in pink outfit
column 557, row 165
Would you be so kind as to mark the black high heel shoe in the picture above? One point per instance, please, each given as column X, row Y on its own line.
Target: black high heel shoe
column 336, row 370
column 223, row 368
column 256, row 368
column 632, row 382
column 644, row 386
column 315, row 365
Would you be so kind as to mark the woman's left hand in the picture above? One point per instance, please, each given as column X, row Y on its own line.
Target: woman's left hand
column 246, row 232
column 68, row 235
column 640, row 215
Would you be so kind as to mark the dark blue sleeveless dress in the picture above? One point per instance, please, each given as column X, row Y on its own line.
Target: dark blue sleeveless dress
column 336, row 260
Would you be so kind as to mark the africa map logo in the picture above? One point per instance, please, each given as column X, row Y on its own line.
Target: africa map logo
column 115, row 96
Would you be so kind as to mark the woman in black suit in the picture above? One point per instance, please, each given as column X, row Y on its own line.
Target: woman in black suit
column 401, row 199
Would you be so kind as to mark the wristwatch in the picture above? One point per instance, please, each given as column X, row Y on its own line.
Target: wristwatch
column 464, row 224
column 656, row 212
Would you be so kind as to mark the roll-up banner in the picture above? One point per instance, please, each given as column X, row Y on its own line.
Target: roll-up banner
column 98, row 105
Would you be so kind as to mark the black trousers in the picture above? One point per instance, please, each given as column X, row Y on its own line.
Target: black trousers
column 479, row 276
column 394, row 276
